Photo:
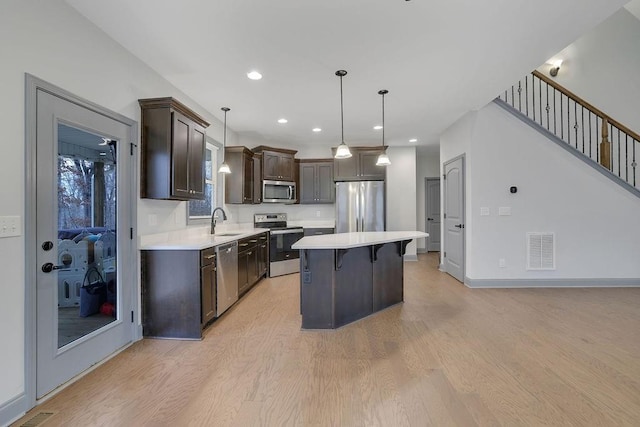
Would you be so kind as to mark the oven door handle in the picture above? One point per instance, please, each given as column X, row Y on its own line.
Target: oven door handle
column 292, row 231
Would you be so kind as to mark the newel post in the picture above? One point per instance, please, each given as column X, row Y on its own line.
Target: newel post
column 605, row 145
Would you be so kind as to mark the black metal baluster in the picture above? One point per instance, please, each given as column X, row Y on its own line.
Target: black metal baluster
column 526, row 93
column 512, row 96
column 575, row 119
column 519, row 96
column 540, row 97
column 533, row 95
column 634, row 164
column 568, row 121
column 547, row 108
column 619, row 166
column 590, row 140
column 582, row 122
column 561, row 119
column 554, row 112
column 626, row 157
column 598, row 141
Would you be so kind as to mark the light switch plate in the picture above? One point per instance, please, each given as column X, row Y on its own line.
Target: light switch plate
column 10, row 226
column 504, row 210
column 484, row 211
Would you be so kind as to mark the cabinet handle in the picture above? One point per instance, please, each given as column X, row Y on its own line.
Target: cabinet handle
column 210, row 256
column 243, row 244
column 249, row 253
column 253, row 241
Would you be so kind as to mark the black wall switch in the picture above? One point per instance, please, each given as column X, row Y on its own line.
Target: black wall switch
column 513, row 190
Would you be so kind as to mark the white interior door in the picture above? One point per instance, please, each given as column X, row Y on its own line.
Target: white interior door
column 453, row 256
column 432, row 213
column 83, row 234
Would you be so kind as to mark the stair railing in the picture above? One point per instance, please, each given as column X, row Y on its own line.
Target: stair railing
column 577, row 123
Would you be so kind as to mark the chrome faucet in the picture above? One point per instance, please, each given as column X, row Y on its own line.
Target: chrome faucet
column 213, row 219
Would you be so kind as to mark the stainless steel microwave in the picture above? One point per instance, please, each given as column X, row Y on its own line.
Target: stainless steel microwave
column 279, row 192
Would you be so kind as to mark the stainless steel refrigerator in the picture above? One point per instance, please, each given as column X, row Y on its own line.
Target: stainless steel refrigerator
column 360, row 206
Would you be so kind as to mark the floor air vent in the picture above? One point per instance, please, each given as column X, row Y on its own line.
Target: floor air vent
column 39, row 419
column 541, row 251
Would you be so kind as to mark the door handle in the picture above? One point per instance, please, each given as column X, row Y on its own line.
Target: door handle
column 429, row 219
column 49, row 267
column 459, row 225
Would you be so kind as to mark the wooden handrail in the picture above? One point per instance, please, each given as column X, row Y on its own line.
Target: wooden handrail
column 586, row 105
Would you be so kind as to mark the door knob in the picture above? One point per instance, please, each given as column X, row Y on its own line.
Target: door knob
column 459, row 226
column 429, row 219
column 49, row 267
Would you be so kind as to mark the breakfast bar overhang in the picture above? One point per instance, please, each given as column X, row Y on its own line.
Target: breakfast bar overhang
column 347, row 276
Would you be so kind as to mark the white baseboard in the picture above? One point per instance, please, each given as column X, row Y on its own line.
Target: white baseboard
column 422, row 250
column 411, row 258
column 552, row 283
column 13, row 409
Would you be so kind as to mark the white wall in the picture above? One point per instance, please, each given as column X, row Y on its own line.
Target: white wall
column 401, row 193
column 53, row 42
column 427, row 166
column 558, row 193
column 602, row 68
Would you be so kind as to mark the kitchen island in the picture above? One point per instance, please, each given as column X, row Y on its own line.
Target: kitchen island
column 347, row 276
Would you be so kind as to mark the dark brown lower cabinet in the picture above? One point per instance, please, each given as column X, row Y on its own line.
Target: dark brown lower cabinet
column 178, row 292
column 252, row 261
column 339, row 286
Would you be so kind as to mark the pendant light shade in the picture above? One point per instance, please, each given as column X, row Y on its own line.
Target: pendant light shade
column 383, row 159
column 343, row 151
column 224, row 167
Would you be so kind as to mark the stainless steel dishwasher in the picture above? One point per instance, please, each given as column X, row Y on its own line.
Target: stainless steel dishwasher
column 227, row 288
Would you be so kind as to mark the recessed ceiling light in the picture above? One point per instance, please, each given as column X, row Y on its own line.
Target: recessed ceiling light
column 254, row 75
column 413, row 140
column 282, row 121
column 377, row 127
column 316, row 130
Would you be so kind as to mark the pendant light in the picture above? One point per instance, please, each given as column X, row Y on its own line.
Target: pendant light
column 383, row 159
column 224, row 167
column 343, row 150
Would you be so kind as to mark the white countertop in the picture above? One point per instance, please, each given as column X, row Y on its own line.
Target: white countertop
column 354, row 240
column 194, row 241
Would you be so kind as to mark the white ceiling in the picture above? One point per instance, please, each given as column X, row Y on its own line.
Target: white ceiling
column 438, row 58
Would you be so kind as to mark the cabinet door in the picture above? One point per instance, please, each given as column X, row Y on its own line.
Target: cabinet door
column 325, row 187
column 252, row 265
column 243, row 272
column 270, row 165
column 257, row 179
column 308, row 193
column 367, row 166
column 247, row 183
column 285, row 167
column 196, row 162
column 208, row 293
column 346, row 169
column 263, row 257
column 180, row 156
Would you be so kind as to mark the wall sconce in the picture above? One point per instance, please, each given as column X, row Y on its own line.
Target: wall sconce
column 555, row 67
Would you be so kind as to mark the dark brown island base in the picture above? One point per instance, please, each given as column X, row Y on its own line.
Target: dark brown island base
column 347, row 276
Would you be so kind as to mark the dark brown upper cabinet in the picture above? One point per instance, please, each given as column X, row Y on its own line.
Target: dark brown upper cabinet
column 277, row 164
column 316, row 181
column 238, row 185
column 361, row 166
column 172, row 147
column 257, row 179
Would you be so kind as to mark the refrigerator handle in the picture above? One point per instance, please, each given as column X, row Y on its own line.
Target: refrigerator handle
column 362, row 206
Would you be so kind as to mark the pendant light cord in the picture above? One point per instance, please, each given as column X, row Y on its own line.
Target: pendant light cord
column 383, row 120
column 224, row 138
column 341, row 111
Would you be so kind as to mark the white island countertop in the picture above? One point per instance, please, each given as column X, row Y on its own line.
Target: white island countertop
column 354, row 240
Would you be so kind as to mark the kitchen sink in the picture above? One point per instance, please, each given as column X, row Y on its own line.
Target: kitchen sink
column 227, row 234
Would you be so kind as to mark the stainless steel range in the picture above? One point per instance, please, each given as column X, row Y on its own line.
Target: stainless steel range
column 282, row 259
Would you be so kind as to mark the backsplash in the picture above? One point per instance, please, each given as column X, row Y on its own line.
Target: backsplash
column 244, row 213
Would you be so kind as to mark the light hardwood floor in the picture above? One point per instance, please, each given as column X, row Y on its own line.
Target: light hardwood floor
column 447, row 356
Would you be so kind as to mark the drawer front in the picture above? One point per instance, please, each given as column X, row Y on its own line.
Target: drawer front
column 207, row 257
column 317, row 231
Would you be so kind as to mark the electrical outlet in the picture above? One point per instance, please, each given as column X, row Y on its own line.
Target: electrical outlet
column 10, row 226
column 504, row 210
column 317, row 214
column 153, row 220
column 306, row 277
column 502, row 263
column 484, row 211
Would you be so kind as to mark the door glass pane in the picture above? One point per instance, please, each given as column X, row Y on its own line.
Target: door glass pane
column 87, row 230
